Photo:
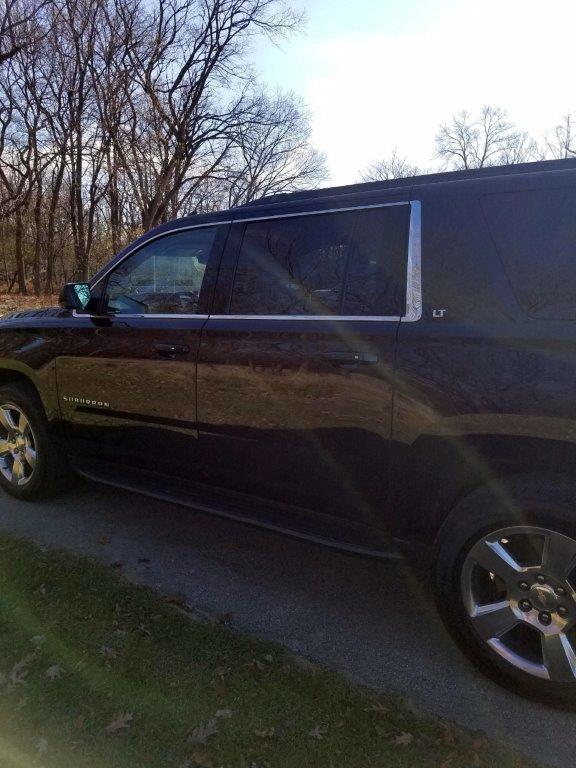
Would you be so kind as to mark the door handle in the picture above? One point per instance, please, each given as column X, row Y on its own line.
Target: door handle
column 171, row 350
column 349, row 357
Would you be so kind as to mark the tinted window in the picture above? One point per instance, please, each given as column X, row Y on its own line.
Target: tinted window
column 376, row 279
column 292, row 266
column 164, row 277
column 535, row 234
column 351, row 263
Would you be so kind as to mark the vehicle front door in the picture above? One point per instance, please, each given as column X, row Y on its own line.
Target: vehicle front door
column 296, row 371
column 127, row 375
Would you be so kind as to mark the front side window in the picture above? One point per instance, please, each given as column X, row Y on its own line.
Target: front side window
column 352, row 263
column 163, row 277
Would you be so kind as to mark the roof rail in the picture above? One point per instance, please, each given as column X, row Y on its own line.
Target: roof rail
column 429, row 178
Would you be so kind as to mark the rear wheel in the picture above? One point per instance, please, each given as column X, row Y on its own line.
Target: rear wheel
column 505, row 583
column 31, row 463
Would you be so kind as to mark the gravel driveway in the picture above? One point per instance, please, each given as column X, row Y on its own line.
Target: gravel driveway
column 372, row 620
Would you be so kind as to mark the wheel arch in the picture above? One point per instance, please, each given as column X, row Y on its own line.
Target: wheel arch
column 438, row 471
column 12, row 372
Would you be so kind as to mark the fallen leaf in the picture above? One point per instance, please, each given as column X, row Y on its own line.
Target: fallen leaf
column 305, row 664
column 202, row 733
column 404, row 739
column 223, row 713
column 318, row 732
column 448, row 737
column 104, row 540
column 53, row 672
column 175, row 599
column 476, row 762
column 108, row 652
column 377, row 708
column 38, row 639
column 255, row 666
column 218, row 684
column 479, row 743
column 120, row 722
column 266, row 733
column 201, row 758
column 79, row 722
column 41, row 747
column 222, row 618
column 18, row 673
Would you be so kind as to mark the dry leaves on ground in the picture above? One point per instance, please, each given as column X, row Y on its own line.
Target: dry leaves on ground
column 318, row 732
column 202, row 733
column 121, row 722
column 53, row 672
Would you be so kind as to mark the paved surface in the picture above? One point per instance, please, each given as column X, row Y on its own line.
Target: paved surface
column 372, row 620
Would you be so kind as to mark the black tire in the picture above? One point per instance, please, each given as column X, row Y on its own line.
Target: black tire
column 547, row 502
column 51, row 468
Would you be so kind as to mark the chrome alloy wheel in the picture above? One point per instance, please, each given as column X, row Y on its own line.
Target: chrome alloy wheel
column 518, row 586
column 17, row 445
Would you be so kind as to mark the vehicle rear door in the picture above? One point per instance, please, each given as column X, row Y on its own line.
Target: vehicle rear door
column 127, row 375
column 296, row 365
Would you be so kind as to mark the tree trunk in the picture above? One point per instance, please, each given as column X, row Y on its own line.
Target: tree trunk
column 38, row 242
column 19, row 254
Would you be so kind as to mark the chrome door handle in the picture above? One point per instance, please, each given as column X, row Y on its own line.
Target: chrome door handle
column 349, row 357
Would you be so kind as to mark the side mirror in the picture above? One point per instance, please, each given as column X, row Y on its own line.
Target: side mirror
column 75, row 296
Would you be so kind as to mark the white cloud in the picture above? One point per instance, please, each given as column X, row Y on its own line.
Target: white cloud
column 371, row 93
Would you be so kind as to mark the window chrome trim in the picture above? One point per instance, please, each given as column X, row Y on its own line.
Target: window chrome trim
column 325, row 318
column 413, row 278
column 112, row 315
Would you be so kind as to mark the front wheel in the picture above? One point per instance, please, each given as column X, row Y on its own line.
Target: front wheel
column 31, row 463
column 505, row 584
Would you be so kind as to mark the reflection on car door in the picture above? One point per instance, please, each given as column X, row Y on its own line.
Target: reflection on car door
column 127, row 378
column 295, row 374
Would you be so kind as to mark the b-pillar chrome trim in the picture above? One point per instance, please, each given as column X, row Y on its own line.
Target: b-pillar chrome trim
column 414, row 281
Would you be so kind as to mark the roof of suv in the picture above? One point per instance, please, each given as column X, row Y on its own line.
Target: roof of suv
column 542, row 166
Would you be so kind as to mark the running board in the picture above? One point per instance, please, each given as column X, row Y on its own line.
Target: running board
column 317, row 528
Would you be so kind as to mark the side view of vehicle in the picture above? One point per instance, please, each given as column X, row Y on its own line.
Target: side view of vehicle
column 386, row 367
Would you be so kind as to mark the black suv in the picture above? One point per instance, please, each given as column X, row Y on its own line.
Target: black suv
column 376, row 367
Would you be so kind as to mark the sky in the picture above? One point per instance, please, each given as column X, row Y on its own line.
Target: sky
column 383, row 74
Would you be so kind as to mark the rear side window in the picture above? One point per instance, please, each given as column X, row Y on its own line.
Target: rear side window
column 349, row 263
column 535, row 234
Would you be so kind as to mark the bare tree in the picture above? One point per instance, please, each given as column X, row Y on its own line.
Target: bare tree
column 189, row 93
column 391, row 167
column 475, row 142
column 560, row 143
column 116, row 115
column 271, row 152
column 15, row 19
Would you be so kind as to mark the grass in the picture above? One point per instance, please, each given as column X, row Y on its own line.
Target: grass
column 97, row 672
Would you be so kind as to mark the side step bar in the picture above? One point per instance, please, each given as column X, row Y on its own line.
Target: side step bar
column 281, row 518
